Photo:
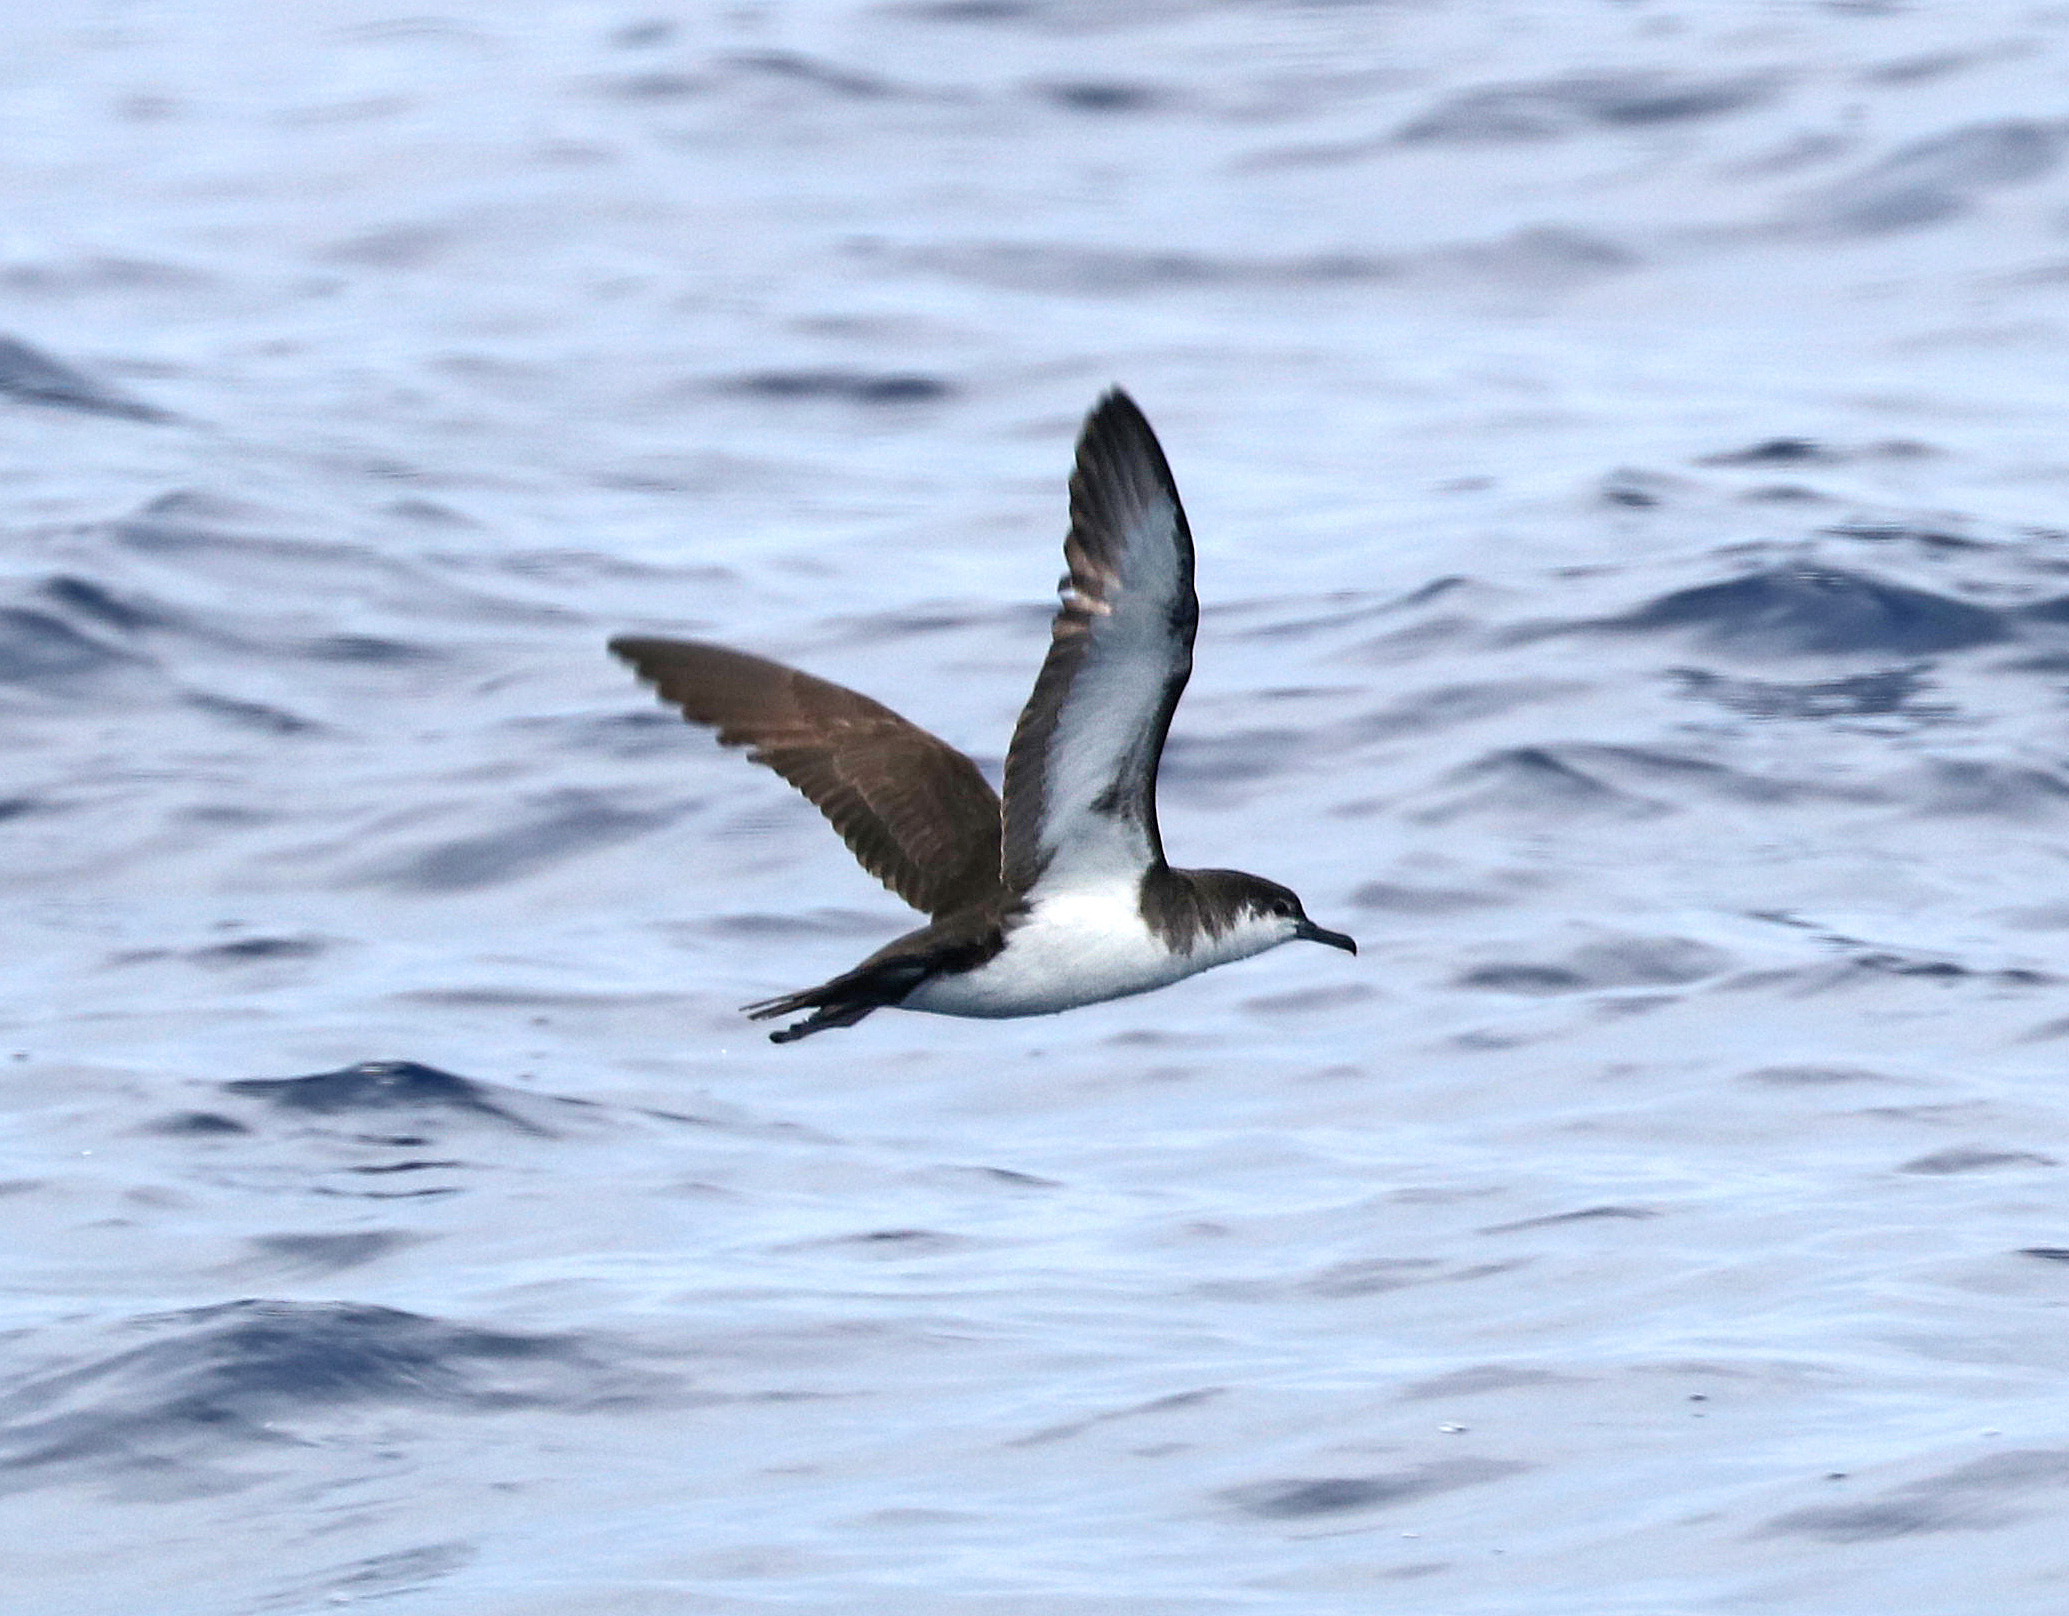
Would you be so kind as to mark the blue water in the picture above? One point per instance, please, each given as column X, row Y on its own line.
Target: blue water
column 1624, row 445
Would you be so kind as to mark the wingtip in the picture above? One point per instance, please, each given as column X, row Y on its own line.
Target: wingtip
column 1116, row 427
column 1116, row 405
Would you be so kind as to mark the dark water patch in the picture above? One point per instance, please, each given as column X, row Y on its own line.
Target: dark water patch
column 1393, row 898
column 1910, row 965
column 373, row 1168
column 1811, row 1076
column 1335, row 1495
column 1773, row 452
column 1868, row 1523
column 256, row 950
column 1534, row 781
column 195, row 1125
column 1341, row 1281
column 1449, row 706
column 372, row 649
column 1941, row 1114
column 1915, row 69
column 85, row 598
column 1102, row 96
column 1863, row 956
column 331, row 1253
column 1934, row 180
column 1344, row 1281
column 1170, row 1404
column 575, row 826
column 1889, row 962
column 1309, row 1001
column 207, row 1384
column 1587, row 1214
column 1523, row 979
column 380, row 1086
column 1974, row 1159
column 977, row 11
column 1960, row 786
column 258, row 716
column 37, row 649
column 1370, row 1276
column 1638, row 490
column 1889, row 692
column 234, row 814
column 1239, row 755
column 2051, row 616
column 399, row 246
column 1805, row 610
column 102, row 273
column 656, row 85
column 2046, row 1253
column 187, row 519
column 1113, row 272
column 34, row 377
column 1303, row 617
column 378, row 1576
column 1552, row 109
column 1481, row 1379
column 794, row 67
column 888, row 1244
column 948, row 617
column 644, row 34
column 843, row 386
column 385, row 1195
column 22, row 807
column 994, row 1177
column 1545, row 258
column 1926, row 538
column 1969, row 1497
column 801, row 923
column 641, row 732
column 429, row 513
column 1684, row 775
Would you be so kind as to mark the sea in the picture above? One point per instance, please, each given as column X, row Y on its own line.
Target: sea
column 1628, row 451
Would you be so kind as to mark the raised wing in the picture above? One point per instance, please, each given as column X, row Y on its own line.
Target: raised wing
column 913, row 810
column 1081, row 779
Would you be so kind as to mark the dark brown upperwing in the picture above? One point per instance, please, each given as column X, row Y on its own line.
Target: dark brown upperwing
column 914, row 811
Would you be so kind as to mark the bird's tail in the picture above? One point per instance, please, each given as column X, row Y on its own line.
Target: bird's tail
column 843, row 1001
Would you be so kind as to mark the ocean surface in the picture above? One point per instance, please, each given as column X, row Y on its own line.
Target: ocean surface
column 1629, row 455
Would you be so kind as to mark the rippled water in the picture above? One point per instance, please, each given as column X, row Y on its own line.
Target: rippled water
column 1625, row 447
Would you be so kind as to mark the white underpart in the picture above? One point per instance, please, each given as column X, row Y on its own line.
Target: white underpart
column 1081, row 946
column 1111, row 703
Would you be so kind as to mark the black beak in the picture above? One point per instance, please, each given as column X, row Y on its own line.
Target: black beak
column 1311, row 933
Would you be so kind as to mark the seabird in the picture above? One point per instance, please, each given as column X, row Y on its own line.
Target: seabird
column 1060, row 896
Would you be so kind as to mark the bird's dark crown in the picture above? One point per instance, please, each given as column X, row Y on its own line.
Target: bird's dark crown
column 1229, row 896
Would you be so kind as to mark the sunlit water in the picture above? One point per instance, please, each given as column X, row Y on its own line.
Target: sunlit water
column 1626, row 448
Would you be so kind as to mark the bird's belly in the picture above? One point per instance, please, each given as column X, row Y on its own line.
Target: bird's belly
column 1070, row 951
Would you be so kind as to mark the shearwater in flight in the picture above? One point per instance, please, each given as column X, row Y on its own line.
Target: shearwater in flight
column 1061, row 896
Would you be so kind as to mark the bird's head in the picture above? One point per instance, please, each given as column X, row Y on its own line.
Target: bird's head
column 1268, row 904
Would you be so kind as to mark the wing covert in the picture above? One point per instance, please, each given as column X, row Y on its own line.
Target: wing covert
column 914, row 811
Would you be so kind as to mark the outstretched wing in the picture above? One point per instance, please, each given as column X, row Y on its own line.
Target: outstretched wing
column 1081, row 779
column 914, row 811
